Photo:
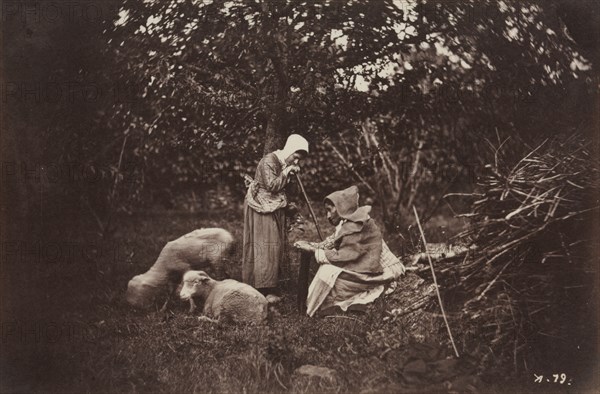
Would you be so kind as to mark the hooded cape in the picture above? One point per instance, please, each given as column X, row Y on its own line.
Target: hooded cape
column 357, row 246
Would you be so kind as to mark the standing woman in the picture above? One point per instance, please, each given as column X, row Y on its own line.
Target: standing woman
column 264, row 216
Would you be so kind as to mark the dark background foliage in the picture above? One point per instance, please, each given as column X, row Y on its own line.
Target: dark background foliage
column 156, row 100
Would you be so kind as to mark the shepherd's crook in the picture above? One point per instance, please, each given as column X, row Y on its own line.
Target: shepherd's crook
column 305, row 258
column 437, row 290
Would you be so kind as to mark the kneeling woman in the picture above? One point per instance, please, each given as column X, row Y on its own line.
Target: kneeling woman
column 355, row 262
column 264, row 216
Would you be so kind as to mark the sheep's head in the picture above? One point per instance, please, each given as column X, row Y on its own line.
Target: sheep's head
column 142, row 290
column 195, row 283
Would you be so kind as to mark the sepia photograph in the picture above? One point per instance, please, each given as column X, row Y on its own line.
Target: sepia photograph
column 300, row 196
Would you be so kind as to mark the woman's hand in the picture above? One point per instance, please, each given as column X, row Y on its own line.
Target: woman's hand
column 291, row 170
column 304, row 245
column 321, row 257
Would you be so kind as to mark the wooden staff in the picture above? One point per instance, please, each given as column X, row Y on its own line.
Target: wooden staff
column 312, row 213
column 437, row 290
column 305, row 258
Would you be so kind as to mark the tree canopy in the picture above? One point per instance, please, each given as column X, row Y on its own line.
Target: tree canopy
column 214, row 84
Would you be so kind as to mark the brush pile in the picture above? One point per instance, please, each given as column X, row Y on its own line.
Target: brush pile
column 529, row 275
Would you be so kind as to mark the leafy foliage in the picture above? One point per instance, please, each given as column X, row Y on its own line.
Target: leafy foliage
column 212, row 85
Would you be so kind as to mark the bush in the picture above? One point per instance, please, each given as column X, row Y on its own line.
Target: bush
column 524, row 287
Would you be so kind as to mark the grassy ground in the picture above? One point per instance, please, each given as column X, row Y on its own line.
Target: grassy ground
column 83, row 337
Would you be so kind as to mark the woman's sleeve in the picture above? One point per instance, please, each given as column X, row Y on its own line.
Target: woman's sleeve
column 348, row 252
column 274, row 181
column 327, row 243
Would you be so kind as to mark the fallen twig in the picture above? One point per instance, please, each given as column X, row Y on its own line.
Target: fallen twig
column 344, row 317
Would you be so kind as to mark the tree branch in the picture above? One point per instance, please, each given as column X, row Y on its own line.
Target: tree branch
column 345, row 162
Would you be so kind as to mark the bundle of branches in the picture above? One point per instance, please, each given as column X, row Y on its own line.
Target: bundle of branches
column 530, row 265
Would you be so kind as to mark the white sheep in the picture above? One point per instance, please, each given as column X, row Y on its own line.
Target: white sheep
column 200, row 249
column 226, row 300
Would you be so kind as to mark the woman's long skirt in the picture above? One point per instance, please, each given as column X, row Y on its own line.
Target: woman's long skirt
column 264, row 247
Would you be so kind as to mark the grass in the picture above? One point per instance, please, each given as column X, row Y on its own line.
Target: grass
column 81, row 336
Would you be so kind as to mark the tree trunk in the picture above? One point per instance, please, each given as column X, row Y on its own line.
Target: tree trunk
column 274, row 136
column 275, row 130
